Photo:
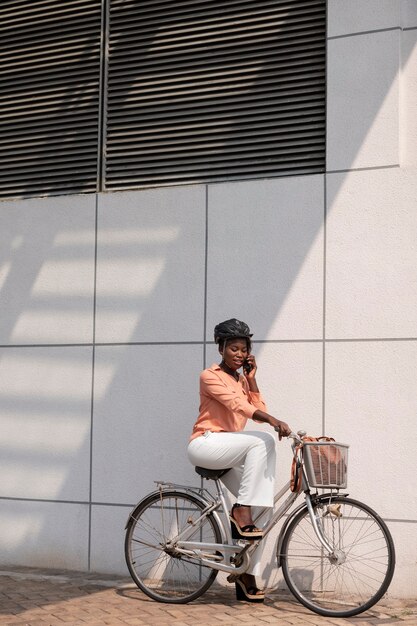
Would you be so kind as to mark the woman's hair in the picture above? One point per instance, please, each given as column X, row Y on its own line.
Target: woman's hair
column 232, row 329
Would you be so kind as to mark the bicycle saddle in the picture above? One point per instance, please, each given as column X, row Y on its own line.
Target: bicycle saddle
column 211, row 474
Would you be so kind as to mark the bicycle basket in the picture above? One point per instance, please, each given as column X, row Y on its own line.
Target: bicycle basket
column 326, row 464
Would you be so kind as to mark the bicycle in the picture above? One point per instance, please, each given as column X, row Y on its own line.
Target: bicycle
column 337, row 555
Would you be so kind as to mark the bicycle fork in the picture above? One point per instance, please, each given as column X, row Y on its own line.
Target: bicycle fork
column 335, row 555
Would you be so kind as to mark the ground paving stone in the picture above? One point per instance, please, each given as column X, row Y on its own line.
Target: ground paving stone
column 33, row 597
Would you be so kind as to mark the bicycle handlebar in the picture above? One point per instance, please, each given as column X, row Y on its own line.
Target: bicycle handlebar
column 298, row 438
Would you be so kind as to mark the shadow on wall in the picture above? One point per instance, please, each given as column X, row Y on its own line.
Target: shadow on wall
column 150, row 290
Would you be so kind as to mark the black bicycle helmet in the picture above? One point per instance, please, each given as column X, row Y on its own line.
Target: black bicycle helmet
column 232, row 329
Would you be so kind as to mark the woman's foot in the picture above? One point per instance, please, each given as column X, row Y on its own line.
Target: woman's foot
column 247, row 590
column 242, row 523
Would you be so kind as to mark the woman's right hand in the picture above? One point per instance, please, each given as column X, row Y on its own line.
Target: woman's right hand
column 282, row 429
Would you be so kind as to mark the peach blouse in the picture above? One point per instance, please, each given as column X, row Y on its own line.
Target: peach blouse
column 225, row 403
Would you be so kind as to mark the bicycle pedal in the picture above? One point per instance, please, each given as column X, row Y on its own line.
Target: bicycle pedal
column 232, row 578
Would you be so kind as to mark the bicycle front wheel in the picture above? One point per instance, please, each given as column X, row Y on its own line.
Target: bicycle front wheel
column 157, row 569
column 359, row 571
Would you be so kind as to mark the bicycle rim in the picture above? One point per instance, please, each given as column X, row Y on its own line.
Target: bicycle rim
column 365, row 562
column 160, row 574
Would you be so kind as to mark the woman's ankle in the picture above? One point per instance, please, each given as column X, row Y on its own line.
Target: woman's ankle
column 242, row 514
column 248, row 580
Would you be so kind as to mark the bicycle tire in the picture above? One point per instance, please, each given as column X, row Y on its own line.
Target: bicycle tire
column 161, row 575
column 366, row 564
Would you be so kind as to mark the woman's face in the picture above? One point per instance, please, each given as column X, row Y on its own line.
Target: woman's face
column 234, row 353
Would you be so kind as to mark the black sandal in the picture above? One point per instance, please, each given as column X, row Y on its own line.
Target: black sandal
column 244, row 532
column 250, row 594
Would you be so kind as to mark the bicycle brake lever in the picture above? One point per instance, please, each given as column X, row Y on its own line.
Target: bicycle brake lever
column 297, row 437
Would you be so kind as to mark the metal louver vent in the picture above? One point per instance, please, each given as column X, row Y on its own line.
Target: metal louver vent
column 214, row 90
column 49, row 96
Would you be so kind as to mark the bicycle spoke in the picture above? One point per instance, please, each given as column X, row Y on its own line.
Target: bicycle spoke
column 156, row 568
column 358, row 573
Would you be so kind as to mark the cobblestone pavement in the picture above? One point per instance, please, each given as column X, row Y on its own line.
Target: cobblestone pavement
column 33, row 597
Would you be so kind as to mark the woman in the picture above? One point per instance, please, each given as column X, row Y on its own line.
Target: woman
column 227, row 400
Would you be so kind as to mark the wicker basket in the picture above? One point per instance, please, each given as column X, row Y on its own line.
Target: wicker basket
column 326, row 464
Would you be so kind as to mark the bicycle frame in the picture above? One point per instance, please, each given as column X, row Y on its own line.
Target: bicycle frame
column 238, row 554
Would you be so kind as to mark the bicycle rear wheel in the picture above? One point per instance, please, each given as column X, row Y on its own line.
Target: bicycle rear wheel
column 360, row 571
column 158, row 571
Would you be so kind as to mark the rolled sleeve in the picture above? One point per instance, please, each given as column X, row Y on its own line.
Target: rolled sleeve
column 257, row 401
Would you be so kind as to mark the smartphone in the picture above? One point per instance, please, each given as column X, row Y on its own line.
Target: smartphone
column 247, row 367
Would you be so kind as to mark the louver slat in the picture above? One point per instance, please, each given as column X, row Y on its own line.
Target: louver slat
column 49, row 96
column 204, row 91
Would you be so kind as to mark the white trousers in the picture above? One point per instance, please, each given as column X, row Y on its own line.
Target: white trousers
column 251, row 457
column 251, row 479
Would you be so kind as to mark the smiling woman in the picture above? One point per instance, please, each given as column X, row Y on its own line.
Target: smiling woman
column 227, row 400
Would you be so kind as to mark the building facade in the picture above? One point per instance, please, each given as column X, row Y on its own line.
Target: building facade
column 109, row 297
